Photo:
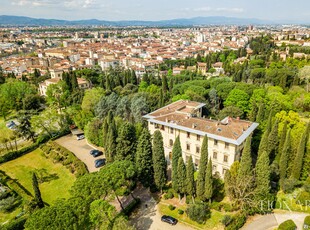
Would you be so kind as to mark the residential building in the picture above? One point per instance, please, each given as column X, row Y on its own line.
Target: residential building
column 185, row 119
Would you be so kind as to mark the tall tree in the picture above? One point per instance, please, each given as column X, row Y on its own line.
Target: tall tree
column 159, row 162
column 260, row 113
column 273, row 141
column 262, row 177
column 190, row 182
column 105, row 130
column 111, row 142
column 208, row 182
column 282, row 141
column 37, row 193
column 263, row 145
column 126, row 142
column 298, row 161
column 284, row 158
column 144, row 161
column 245, row 168
column 181, row 178
column 202, row 168
column 176, row 154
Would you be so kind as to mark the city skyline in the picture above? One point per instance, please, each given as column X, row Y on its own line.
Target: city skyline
column 284, row 11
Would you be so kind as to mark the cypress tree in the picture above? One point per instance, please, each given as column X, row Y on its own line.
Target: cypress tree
column 181, row 178
column 176, row 154
column 144, row 161
column 202, row 168
column 245, row 168
column 297, row 166
column 37, row 193
column 159, row 162
column 262, row 173
column 190, row 182
column 208, row 182
column 263, row 145
column 171, row 85
column 273, row 141
column 126, row 142
column 281, row 142
column 254, row 111
column 260, row 113
column 284, row 158
column 164, row 84
column 105, row 130
column 111, row 142
column 306, row 162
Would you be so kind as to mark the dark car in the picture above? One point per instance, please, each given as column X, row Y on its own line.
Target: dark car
column 169, row 220
column 99, row 163
column 96, row 152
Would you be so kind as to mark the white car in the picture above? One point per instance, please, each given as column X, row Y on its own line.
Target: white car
column 80, row 137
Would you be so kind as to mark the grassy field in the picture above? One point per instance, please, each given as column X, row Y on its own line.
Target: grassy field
column 58, row 179
column 212, row 223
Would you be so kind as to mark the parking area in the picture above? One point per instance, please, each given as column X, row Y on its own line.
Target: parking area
column 80, row 149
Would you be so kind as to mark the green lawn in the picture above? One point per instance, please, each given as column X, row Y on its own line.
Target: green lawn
column 288, row 202
column 212, row 223
column 60, row 179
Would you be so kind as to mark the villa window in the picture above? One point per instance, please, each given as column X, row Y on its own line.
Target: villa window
column 171, row 130
column 215, row 155
column 198, row 137
column 197, row 149
column 171, row 142
column 188, row 147
column 226, row 145
column 188, row 134
column 225, row 158
column 215, row 142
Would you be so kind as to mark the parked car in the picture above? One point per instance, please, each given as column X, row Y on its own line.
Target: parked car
column 11, row 125
column 95, row 152
column 80, row 137
column 169, row 220
column 99, row 163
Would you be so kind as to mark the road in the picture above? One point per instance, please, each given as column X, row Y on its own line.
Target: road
column 80, row 149
column 147, row 217
column 271, row 221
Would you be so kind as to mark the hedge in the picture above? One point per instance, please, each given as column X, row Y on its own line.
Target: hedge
column 288, row 225
column 62, row 155
column 237, row 221
column 15, row 186
column 131, row 206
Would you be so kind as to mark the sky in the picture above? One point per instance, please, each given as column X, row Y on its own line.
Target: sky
column 275, row 10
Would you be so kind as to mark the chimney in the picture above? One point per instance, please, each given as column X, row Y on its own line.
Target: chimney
column 194, row 125
column 238, row 118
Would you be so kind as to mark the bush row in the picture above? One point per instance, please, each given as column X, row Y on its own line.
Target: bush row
column 61, row 155
column 15, row 186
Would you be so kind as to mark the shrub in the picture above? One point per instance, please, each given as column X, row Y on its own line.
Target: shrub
column 290, row 184
column 304, row 198
column 171, row 207
column 15, row 154
column 307, row 223
column 15, row 224
column 227, row 219
column 287, row 225
column 132, row 206
column 227, row 207
column 307, row 185
column 9, row 204
column 180, row 211
column 198, row 212
column 237, row 222
column 169, row 194
column 216, row 206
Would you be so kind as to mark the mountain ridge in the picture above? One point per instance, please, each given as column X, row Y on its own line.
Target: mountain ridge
column 6, row 20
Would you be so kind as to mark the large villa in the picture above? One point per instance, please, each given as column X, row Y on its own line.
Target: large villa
column 185, row 119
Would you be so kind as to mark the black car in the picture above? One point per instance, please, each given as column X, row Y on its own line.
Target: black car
column 99, row 163
column 96, row 153
column 169, row 220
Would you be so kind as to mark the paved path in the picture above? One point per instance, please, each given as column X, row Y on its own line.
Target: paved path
column 271, row 221
column 80, row 149
column 147, row 216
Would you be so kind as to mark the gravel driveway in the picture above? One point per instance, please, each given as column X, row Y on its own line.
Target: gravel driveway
column 80, row 149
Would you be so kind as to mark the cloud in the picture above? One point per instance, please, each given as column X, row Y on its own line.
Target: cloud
column 219, row 9
column 235, row 10
column 70, row 4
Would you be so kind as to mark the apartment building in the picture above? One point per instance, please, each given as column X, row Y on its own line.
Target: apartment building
column 185, row 119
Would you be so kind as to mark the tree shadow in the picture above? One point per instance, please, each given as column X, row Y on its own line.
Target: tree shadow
column 44, row 176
